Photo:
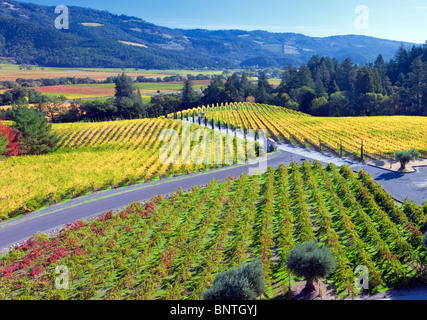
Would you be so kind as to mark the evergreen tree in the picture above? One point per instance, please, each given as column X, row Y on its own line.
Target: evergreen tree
column 364, row 82
column 335, row 87
column 319, row 89
column 305, row 77
column 36, row 131
column 124, row 87
column 232, row 88
column 188, row 95
column 346, row 75
column 245, row 87
column 214, row 93
column 417, row 84
column 289, row 80
column 323, row 76
column 263, row 82
column 381, row 67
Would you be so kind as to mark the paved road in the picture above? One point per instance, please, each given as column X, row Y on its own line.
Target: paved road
column 12, row 232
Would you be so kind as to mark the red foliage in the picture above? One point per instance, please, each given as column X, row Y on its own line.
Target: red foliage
column 58, row 254
column 13, row 136
column 35, row 271
column 76, row 225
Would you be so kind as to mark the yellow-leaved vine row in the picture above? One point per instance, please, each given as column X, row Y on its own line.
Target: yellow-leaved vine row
column 375, row 137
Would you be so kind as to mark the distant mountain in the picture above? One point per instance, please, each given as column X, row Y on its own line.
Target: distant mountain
column 102, row 39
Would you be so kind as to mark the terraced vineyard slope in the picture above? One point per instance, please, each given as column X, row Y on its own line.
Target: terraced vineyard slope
column 378, row 137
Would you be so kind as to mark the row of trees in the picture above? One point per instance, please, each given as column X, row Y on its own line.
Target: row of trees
column 44, row 82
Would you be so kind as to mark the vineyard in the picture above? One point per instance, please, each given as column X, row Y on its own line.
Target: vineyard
column 172, row 248
column 105, row 155
column 375, row 137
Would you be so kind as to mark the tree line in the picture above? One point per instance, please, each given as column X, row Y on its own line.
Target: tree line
column 326, row 87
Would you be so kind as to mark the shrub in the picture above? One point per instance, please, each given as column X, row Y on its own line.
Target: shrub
column 311, row 261
column 243, row 283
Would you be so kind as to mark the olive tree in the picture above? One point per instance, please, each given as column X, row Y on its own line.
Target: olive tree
column 404, row 157
column 311, row 261
column 243, row 283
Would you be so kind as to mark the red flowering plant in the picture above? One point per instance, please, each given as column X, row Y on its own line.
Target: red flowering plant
column 12, row 135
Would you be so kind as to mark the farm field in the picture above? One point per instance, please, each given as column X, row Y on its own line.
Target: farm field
column 76, row 92
column 172, row 248
column 100, row 156
column 86, row 91
column 10, row 72
column 381, row 136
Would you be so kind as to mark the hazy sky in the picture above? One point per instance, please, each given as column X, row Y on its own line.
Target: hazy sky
column 391, row 19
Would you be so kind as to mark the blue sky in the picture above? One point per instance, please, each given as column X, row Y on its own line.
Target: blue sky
column 391, row 19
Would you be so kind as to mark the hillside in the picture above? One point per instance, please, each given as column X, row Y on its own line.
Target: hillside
column 101, row 39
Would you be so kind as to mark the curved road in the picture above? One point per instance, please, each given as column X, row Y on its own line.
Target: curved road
column 411, row 185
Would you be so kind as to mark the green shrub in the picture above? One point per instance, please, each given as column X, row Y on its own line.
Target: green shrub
column 243, row 283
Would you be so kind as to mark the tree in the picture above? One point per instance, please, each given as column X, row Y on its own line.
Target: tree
column 215, row 92
column 417, row 86
column 245, row 86
column 232, row 87
column 124, row 87
column 346, row 75
column 36, row 131
column 304, row 96
column 364, row 82
column 243, row 283
column 404, row 157
column 311, row 261
column 188, row 95
column 96, row 109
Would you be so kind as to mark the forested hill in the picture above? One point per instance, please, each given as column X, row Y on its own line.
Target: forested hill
column 101, row 39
